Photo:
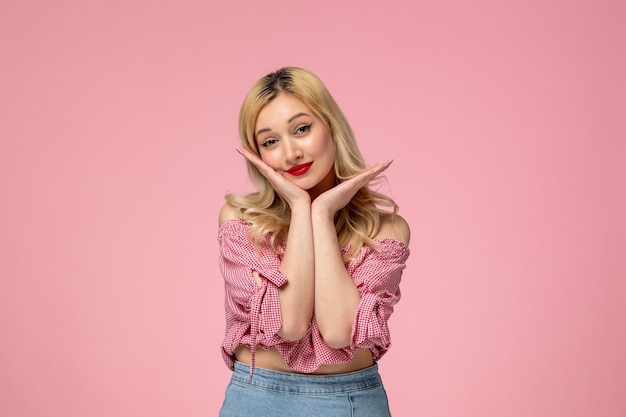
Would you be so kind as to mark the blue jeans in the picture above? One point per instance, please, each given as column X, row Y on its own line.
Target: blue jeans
column 272, row 393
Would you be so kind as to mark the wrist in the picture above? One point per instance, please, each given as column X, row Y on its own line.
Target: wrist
column 298, row 206
column 321, row 212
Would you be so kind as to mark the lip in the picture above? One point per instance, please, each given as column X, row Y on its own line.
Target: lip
column 299, row 169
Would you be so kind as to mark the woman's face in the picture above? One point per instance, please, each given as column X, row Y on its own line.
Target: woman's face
column 297, row 144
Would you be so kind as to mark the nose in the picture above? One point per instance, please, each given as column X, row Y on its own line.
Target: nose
column 292, row 150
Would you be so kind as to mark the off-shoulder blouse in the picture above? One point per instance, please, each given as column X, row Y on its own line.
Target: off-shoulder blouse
column 253, row 314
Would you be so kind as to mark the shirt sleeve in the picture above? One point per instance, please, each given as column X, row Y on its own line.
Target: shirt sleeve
column 377, row 274
column 256, row 309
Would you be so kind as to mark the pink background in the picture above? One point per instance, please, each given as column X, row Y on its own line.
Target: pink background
column 506, row 122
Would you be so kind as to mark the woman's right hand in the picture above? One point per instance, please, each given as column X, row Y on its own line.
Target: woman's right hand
column 290, row 192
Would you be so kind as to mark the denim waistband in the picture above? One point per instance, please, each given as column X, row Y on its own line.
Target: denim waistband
column 307, row 383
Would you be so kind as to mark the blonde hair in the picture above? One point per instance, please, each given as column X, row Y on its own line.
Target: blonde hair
column 359, row 221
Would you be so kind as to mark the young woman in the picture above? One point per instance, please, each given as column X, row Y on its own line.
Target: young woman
column 311, row 263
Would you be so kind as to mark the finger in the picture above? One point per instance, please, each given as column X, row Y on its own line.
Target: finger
column 248, row 155
column 276, row 180
column 256, row 161
column 367, row 176
column 381, row 167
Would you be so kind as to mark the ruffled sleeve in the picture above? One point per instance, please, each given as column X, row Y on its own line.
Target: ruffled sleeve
column 250, row 309
column 377, row 274
column 253, row 315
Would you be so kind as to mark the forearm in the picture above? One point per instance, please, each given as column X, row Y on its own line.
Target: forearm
column 296, row 297
column 336, row 295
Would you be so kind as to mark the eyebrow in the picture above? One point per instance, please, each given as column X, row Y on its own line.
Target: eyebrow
column 292, row 118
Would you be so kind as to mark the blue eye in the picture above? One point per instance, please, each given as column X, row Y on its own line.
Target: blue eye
column 303, row 129
column 268, row 142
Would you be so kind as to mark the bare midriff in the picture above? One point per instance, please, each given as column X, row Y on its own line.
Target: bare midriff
column 272, row 360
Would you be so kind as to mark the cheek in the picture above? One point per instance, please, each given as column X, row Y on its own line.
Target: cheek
column 324, row 146
column 270, row 159
column 330, row 150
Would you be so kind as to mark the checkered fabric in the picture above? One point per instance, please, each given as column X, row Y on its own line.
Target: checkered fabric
column 253, row 314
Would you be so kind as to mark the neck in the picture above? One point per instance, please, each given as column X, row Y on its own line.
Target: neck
column 326, row 184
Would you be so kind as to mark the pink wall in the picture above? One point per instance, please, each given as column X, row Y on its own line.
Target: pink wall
column 506, row 122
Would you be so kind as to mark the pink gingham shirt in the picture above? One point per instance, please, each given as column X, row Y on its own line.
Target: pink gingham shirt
column 253, row 313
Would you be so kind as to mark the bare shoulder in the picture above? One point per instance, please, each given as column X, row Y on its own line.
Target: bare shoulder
column 227, row 212
column 394, row 227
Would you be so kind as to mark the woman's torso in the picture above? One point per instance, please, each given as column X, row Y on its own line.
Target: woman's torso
column 271, row 359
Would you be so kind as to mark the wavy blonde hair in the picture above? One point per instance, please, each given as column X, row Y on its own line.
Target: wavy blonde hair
column 359, row 221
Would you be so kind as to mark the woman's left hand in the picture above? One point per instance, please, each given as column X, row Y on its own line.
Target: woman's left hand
column 338, row 197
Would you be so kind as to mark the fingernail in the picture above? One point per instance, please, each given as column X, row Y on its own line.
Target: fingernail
column 387, row 164
column 239, row 150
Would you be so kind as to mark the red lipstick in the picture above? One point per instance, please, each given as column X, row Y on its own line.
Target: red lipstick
column 299, row 169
